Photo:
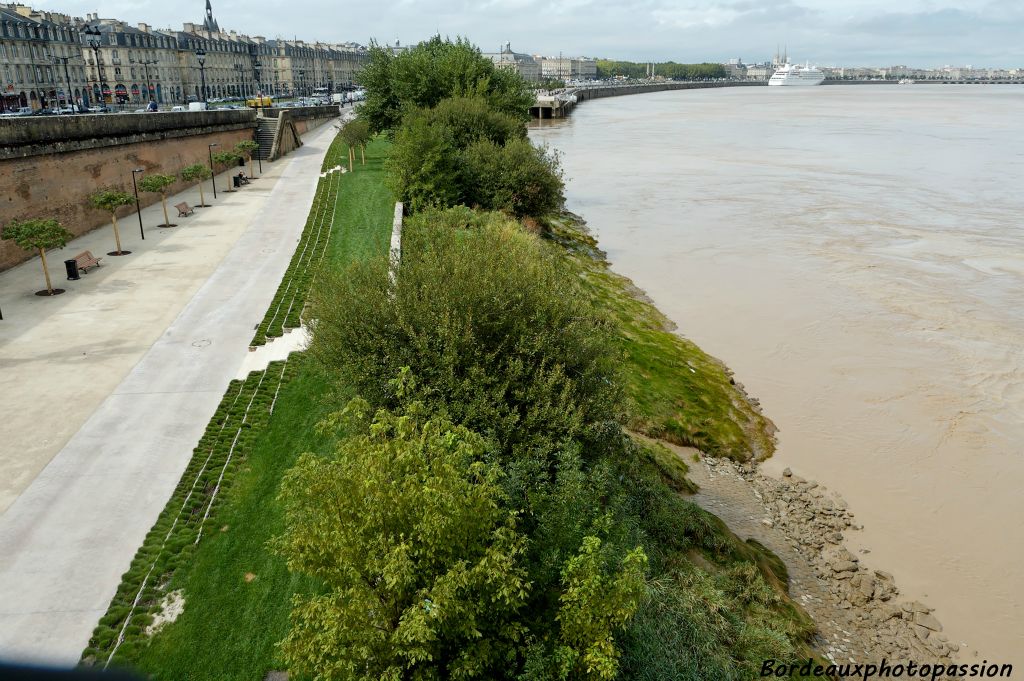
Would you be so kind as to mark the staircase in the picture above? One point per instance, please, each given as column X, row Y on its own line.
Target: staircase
column 266, row 132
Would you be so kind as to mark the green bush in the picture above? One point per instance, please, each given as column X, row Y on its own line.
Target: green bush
column 431, row 71
column 490, row 322
column 518, row 178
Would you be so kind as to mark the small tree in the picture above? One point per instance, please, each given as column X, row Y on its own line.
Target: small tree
column 226, row 159
column 355, row 133
column 158, row 184
column 38, row 234
column 246, row 148
column 110, row 200
column 197, row 171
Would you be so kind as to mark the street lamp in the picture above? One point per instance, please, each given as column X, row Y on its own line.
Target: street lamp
column 138, row 208
column 67, row 76
column 213, row 173
column 149, row 85
column 93, row 36
column 201, row 57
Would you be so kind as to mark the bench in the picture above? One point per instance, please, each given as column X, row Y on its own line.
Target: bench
column 184, row 210
column 85, row 260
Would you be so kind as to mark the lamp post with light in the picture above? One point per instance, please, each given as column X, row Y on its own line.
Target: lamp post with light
column 201, row 58
column 93, row 36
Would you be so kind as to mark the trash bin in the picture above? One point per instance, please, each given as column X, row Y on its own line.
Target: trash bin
column 237, row 180
column 72, row 267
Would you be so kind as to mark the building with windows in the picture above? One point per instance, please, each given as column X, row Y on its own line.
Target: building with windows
column 40, row 59
column 49, row 59
column 524, row 64
column 567, row 68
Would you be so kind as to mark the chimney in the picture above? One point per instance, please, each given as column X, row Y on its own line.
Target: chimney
column 143, row 27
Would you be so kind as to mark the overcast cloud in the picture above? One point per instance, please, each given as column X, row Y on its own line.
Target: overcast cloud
column 925, row 33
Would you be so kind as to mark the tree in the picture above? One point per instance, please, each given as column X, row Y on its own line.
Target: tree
column 355, row 133
column 38, row 235
column 226, row 159
column 159, row 184
column 110, row 200
column 246, row 148
column 423, row 167
column 418, row 560
column 197, row 171
column 434, row 70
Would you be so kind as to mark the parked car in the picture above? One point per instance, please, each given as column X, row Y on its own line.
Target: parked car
column 179, row 108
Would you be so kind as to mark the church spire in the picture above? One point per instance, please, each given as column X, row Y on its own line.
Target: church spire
column 209, row 23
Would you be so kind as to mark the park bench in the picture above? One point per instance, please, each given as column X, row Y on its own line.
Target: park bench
column 85, row 260
column 184, row 210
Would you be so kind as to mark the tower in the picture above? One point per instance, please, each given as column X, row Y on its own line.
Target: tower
column 209, row 23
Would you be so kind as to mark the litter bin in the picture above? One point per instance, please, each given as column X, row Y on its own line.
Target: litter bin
column 237, row 180
column 72, row 267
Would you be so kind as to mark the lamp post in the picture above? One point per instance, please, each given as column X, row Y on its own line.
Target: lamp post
column 256, row 82
column 138, row 208
column 149, row 86
column 93, row 37
column 201, row 58
column 67, row 76
column 213, row 173
column 302, row 81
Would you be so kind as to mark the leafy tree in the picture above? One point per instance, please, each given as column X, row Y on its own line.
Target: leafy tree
column 355, row 133
column 594, row 605
column 434, row 70
column 245, row 149
column 464, row 120
column 519, row 178
column 226, row 159
column 197, row 171
column 110, row 200
column 38, row 235
column 419, row 562
column 159, row 184
column 423, row 168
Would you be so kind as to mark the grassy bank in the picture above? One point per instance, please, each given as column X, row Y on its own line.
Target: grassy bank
column 677, row 392
column 237, row 594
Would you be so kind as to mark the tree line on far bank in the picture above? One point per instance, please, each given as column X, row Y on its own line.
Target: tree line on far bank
column 607, row 68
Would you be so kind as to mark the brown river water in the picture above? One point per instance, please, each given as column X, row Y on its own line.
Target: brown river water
column 856, row 255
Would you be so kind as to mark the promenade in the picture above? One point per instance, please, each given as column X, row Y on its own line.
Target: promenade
column 106, row 389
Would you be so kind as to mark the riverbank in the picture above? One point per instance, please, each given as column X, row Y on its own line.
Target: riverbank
column 872, row 306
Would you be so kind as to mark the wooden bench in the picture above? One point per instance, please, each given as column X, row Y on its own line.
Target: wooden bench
column 85, row 260
column 184, row 210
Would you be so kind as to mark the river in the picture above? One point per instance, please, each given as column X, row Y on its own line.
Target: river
column 856, row 256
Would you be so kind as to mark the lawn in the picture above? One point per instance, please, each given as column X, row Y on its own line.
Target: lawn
column 237, row 593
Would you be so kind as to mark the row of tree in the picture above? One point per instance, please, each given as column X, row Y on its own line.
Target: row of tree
column 607, row 68
column 43, row 234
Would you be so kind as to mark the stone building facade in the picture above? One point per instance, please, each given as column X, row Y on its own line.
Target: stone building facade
column 108, row 61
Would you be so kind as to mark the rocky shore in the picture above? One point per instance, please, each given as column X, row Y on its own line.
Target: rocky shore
column 857, row 608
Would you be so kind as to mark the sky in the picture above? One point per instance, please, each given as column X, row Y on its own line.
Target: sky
column 920, row 33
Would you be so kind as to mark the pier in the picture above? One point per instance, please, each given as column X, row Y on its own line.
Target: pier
column 560, row 104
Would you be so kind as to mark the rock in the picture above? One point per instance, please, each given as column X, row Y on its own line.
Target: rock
column 927, row 621
column 922, row 632
column 917, row 606
column 787, row 473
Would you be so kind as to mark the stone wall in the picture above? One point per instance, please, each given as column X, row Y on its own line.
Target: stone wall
column 49, row 167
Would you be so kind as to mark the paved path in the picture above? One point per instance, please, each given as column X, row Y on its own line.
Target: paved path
column 106, row 389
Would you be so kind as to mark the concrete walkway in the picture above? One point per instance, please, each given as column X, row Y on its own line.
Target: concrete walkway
column 106, row 389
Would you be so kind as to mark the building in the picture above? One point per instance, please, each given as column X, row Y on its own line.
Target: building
column 49, row 59
column 41, row 59
column 524, row 64
column 567, row 68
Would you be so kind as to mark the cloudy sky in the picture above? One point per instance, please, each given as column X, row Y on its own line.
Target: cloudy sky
column 924, row 33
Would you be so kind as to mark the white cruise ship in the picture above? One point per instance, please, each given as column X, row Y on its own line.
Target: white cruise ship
column 792, row 74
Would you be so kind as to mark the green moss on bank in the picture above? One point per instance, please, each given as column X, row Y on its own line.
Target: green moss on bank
column 677, row 392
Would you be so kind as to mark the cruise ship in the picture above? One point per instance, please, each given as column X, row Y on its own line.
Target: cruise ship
column 792, row 74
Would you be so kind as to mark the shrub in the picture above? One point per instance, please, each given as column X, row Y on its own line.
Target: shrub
column 518, row 178
column 489, row 319
column 420, row 564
